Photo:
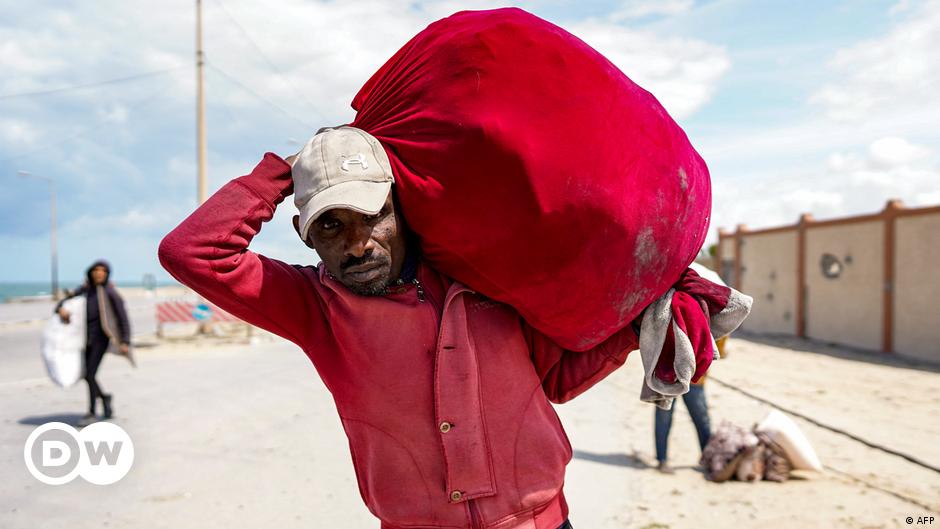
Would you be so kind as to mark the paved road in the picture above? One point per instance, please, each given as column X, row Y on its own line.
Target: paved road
column 224, row 436
column 24, row 311
column 19, row 342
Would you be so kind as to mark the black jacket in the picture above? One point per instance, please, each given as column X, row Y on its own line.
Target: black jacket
column 112, row 315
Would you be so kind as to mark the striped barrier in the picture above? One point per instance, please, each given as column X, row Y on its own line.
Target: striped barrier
column 177, row 311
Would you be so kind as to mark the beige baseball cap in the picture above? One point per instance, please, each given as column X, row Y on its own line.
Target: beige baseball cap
column 342, row 167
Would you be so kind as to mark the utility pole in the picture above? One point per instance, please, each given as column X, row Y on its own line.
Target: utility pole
column 55, row 245
column 200, row 109
column 201, row 191
column 54, row 253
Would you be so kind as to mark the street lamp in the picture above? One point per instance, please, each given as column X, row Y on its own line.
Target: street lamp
column 55, row 252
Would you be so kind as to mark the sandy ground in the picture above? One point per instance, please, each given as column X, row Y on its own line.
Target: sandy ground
column 237, row 435
column 890, row 405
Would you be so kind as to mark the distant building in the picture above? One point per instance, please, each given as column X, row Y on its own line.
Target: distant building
column 870, row 281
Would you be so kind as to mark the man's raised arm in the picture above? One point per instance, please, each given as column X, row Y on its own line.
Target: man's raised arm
column 566, row 374
column 208, row 252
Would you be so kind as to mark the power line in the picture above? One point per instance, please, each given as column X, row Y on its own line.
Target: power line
column 244, row 87
column 270, row 63
column 85, row 131
column 91, row 85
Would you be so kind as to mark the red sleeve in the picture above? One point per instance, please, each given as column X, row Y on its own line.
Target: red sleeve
column 209, row 253
column 566, row 374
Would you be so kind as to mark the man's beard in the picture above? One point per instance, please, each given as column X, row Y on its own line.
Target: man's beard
column 375, row 287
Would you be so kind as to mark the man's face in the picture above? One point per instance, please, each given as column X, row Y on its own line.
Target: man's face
column 99, row 275
column 364, row 252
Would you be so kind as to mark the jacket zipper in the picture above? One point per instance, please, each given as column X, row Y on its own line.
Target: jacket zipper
column 475, row 521
column 419, row 289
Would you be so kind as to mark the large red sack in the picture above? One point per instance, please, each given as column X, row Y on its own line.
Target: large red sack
column 535, row 172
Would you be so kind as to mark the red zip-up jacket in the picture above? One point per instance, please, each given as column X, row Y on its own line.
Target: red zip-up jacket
column 443, row 393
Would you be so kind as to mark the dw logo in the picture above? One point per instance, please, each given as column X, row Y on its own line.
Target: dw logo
column 101, row 453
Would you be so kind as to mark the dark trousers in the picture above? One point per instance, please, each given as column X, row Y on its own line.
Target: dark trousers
column 94, row 352
column 566, row 525
column 698, row 409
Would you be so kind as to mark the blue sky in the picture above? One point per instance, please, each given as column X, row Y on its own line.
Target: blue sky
column 822, row 107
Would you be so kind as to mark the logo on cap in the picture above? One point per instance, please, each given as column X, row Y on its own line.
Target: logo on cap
column 359, row 158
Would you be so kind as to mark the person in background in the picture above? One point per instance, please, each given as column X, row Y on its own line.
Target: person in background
column 694, row 400
column 698, row 409
column 107, row 326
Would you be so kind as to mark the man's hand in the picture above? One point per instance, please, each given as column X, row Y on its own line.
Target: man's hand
column 64, row 315
column 123, row 349
column 290, row 159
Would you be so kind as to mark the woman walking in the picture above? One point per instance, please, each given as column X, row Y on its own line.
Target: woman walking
column 107, row 326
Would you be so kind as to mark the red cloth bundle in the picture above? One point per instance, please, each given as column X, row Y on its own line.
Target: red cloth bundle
column 536, row 172
column 695, row 302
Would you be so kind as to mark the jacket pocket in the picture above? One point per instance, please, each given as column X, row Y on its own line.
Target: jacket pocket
column 541, row 454
column 390, row 480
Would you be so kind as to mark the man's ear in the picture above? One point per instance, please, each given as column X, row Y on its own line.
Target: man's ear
column 296, row 222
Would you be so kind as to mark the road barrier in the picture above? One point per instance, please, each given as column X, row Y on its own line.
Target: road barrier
column 181, row 311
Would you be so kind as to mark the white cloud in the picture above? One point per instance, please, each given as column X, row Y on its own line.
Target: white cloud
column 850, row 182
column 896, row 72
column 900, row 7
column 890, row 167
column 140, row 220
column 30, row 60
column 928, row 197
column 115, row 113
column 436, row 9
column 643, row 8
column 18, row 132
column 320, row 54
column 123, row 150
column 892, row 152
column 683, row 74
column 861, row 140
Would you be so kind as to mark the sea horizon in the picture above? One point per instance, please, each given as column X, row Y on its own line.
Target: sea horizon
column 21, row 289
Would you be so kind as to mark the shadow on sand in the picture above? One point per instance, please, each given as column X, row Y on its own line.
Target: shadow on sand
column 629, row 461
column 620, row 460
column 806, row 345
column 68, row 418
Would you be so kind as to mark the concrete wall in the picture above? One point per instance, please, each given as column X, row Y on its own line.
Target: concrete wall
column 846, row 309
column 769, row 275
column 917, row 287
column 725, row 268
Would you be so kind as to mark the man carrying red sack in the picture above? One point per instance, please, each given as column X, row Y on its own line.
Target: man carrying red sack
column 444, row 394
